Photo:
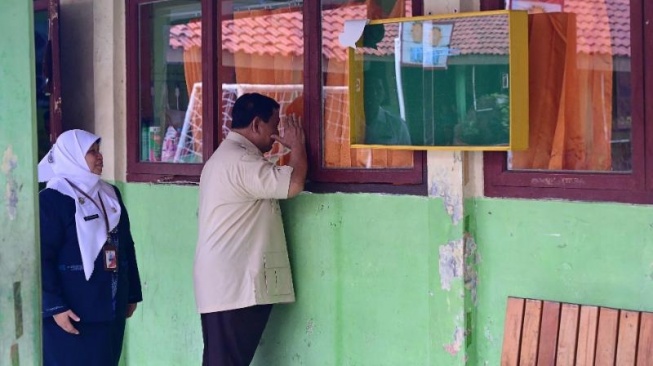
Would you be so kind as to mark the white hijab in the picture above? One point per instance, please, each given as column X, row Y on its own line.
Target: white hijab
column 66, row 162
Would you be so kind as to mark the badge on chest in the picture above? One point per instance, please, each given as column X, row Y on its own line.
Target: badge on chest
column 110, row 257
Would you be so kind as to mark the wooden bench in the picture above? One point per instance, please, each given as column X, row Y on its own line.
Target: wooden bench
column 540, row 332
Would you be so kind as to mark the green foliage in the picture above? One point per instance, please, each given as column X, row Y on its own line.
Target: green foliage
column 488, row 124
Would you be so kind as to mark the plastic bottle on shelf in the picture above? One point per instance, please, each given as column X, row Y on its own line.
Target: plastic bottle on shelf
column 155, row 143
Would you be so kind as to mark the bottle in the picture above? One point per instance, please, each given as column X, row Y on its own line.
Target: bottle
column 155, row 143
column 145, row 138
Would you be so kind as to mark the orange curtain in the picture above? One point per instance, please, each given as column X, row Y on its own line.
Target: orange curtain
column 192, row 66
column 570, row 99
column 260, row 67
column 337, row 148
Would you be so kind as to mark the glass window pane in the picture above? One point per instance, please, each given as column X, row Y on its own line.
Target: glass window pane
column 263, row 52
column 580, row 87
column 442, row 82
column 170, row 71
column 336, row 150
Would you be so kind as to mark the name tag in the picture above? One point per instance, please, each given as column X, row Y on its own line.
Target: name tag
column 92, row 217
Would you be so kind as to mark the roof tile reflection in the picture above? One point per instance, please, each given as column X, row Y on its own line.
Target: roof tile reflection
column 282, row 33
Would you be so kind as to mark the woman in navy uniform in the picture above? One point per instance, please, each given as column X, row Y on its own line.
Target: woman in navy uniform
column 90, row 280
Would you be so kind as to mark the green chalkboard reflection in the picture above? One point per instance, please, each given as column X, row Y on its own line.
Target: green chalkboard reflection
column 438, row 82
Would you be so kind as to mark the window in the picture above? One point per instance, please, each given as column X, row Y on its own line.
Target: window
column 166, row 113
column 588, row 120
column 336, row 160
column 188, row 60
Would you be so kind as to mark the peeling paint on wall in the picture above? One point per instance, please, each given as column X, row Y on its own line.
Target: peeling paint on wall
column 451, row 197
column 451, row 263
column 9, row 163
column 472, row 259
column 14, row 355
column 458, row 337
column 310, row 326
column 446, row 182
column 487, row 333
column 18, row 310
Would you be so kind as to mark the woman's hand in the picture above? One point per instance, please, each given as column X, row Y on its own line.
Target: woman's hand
column 63, row 321
column 130, row 309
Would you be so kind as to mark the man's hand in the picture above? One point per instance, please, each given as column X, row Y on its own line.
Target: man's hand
column 130, row 309
column 293, row 134
column 63, row 321
column 294, row 138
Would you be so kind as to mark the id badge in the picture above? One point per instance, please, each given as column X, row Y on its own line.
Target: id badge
column 110, row 257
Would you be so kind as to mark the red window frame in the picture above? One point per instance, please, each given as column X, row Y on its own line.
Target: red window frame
column 321, row 179
column 138, row 171
column 632, row 187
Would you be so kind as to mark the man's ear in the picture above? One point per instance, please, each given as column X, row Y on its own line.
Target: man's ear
column 256, row 125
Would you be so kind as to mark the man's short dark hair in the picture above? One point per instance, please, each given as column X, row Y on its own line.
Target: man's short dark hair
column 251, row 105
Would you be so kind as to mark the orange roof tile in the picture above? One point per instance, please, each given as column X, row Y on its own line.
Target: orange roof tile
column 281, row 33
column 593, row 35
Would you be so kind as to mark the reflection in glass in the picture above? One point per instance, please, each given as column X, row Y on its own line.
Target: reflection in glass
column 383, row 126
column 580, row 87
column 335, row 131
column 447, row 82
column 263, row 52
column 171, row 82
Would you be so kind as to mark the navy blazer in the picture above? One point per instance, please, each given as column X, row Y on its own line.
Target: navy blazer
column 64, row 285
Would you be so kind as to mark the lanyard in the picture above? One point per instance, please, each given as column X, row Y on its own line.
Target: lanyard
column 101, row 208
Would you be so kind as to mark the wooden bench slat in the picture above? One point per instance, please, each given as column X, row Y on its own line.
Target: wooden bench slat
column 567, row 335
column 606, row 339
column 512, row 332
column 549, row 333
column 645, row 344
column 530, row 333
column 589, row 318
column 627, row 338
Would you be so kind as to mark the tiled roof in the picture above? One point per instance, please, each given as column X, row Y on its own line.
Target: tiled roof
column 281, row 33
column 593, row 36
column 486, row 36
column 186, row 35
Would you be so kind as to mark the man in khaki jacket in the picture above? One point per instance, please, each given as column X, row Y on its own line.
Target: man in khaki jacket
column 241, row 262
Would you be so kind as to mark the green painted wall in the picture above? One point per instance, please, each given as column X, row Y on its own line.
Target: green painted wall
column 19, row 274
column 367, row 277
column 369, row 273
column 587, row 253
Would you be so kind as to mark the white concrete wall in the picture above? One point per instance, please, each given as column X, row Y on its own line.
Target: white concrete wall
column 93, row 73
column 110, row 84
